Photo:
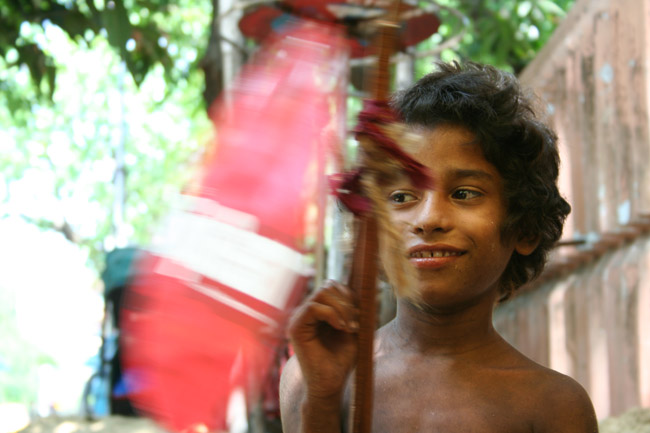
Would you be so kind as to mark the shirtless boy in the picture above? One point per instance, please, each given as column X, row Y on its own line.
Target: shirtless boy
column 479, row 231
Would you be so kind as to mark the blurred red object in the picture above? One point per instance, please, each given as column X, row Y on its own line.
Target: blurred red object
column 416, row 24
column 202, row 321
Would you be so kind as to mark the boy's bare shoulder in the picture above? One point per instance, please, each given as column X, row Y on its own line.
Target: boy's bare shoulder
column 562, row 403
column 553, row 402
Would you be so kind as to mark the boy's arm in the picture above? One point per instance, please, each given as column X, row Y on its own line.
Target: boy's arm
column 324, row 416
column 568, row 409
column 323, row 334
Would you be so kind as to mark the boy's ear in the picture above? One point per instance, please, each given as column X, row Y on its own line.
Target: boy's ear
column 526, row 246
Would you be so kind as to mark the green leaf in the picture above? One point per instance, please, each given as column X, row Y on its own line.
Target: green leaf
column 147, row 52
column 50, row 74
column 117, row 25
column 523, row 9
column 550, row 8
column 488, row 42
column 36, row 61
column 73, row 22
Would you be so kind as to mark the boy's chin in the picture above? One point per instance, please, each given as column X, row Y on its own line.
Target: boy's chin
column 438, row 304
column 415, row 299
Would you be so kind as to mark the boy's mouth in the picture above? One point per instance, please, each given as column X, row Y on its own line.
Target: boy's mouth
column 433, row 253
column 433, row 256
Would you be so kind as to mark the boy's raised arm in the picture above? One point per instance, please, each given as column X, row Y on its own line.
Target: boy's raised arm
column 323, row 334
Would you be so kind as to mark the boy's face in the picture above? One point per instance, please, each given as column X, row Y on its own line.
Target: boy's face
column 452, row 230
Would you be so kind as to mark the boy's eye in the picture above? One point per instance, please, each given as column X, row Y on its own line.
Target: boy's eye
column 401, row 197
column 465, row 194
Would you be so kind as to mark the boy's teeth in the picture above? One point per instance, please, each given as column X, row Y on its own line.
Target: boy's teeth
column 434, row 254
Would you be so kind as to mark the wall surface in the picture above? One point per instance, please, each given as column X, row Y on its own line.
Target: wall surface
column 589, row 315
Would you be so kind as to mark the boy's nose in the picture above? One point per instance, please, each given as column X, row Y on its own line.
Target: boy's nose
column 433, row 214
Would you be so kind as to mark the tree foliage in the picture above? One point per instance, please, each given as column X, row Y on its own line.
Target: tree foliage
column 64, row 137
column 504, row 33
column 133, row 28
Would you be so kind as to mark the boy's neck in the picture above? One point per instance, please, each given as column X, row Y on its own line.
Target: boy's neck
column 427, row 331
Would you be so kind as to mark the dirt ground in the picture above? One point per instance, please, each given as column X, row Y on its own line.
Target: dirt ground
column 633, row 421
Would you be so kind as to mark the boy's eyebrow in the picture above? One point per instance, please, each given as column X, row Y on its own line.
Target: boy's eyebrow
column 470, row 173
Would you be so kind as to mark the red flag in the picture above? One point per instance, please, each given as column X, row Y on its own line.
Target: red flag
column 203, row 320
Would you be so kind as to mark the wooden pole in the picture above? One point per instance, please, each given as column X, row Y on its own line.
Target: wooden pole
column 363, row 277
column 364, row 283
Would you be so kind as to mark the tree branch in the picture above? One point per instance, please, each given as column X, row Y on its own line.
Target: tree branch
column 211, row 63
column 63, row 227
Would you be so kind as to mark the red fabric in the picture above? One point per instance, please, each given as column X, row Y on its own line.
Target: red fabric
column 347, row 186
column 376, row 114
column 189, row 338
column 267, row 20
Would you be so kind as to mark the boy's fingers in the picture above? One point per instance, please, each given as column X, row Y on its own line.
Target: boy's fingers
column 335, row 290
column 303, row 326
column 340, row 299
column 330, row 304
column 345, row 290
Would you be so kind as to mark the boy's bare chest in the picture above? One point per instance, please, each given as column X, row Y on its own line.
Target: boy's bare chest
column 425, row 398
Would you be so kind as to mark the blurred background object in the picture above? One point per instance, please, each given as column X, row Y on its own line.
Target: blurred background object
column 205, row 320
column 106, row 392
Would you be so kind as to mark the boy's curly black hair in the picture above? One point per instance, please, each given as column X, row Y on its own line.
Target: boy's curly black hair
column 492, row 105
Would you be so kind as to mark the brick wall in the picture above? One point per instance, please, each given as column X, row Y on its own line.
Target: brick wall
column 589, row 314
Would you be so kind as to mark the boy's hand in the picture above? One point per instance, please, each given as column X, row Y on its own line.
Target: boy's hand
column 323, row 332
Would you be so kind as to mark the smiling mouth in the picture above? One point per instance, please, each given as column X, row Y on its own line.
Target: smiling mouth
column 434, row 254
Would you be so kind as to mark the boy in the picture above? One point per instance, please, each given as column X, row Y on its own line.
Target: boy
column 481, row 229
